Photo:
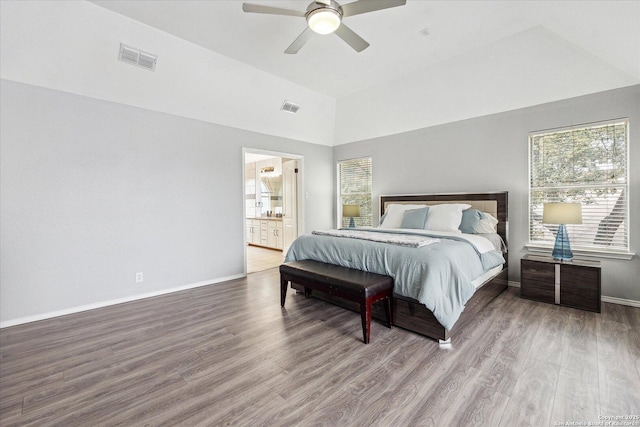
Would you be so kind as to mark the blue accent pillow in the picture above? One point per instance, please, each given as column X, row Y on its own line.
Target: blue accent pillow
column 470, row 220
column 415, row 218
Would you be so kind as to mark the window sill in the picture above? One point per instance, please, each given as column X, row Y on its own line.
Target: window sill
column 590, row 253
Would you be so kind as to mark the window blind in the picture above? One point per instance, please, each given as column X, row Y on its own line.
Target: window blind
column 354, row 184
column 587, row 164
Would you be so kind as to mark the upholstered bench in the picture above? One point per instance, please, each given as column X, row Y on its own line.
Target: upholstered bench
column 353, row 285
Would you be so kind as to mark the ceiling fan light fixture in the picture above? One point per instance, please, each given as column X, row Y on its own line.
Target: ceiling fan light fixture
column 324, row 20
column 325, row 17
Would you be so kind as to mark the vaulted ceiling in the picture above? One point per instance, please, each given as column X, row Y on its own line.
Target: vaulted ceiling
column 428, row 63
column 403, row 40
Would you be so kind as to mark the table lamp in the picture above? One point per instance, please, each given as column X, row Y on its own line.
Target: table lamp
column 562, row 213
column 351, row 211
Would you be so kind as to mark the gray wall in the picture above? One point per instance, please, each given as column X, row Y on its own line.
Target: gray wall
column 490, row 153
column 93, row 192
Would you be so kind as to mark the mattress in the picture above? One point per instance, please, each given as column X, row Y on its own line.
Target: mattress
column 486, row 276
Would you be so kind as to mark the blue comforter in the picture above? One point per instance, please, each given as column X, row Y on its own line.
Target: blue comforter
column 439, row 275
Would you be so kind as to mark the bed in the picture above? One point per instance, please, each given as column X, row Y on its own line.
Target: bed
column 413, row 310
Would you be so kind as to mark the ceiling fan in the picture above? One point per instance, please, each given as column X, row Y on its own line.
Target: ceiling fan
column 325, row 17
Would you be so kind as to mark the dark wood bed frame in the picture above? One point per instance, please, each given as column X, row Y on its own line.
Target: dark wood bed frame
column 414, row 316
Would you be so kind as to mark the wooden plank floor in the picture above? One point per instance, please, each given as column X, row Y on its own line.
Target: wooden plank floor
column 227, row 354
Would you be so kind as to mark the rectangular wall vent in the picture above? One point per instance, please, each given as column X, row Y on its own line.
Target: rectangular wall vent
column 134, row 56
column 290, row 107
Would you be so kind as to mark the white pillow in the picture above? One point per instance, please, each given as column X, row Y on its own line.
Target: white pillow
column 487, row 224
column 395, row 213
column 445, row 217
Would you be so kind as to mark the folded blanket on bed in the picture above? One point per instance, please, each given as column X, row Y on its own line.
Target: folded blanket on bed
column 391, row 238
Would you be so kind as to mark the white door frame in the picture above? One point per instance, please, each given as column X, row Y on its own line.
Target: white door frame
column 300, row 192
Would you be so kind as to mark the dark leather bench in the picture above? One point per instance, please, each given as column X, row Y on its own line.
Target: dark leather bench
column 354, row 285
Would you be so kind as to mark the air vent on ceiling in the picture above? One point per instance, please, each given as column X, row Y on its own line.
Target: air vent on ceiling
column 134, row 56
column 290, row 107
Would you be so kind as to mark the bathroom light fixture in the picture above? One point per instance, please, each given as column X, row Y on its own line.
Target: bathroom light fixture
column 324, row 20
column 269, row 172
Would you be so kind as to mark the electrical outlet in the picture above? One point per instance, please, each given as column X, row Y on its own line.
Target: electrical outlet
column 139, row 277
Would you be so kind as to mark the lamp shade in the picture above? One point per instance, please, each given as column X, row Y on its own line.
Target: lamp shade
column 562, row 213
column 350, row 211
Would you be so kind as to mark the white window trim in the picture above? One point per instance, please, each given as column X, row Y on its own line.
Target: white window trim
column 339, row 189
column 547, row 249
column 581, row 253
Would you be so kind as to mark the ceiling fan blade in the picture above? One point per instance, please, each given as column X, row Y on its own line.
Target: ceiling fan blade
column 364, row 6
column 258, row 8
column 352, row 39
column 300, row 41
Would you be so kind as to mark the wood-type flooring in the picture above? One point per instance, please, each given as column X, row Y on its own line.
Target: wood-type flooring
column 228, row 354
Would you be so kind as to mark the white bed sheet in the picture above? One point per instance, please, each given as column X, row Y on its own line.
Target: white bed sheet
column 486, row 276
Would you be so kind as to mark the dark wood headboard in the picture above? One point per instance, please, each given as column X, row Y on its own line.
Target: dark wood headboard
column 496, row 203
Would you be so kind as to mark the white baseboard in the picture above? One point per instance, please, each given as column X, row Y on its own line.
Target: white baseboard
column 101, row 304
column 52, row 314
column 621, row 301
column 612, row 300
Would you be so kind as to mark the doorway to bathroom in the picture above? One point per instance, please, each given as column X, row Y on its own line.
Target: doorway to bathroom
column 273, row 208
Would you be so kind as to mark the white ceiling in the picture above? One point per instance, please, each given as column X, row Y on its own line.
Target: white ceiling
column 607, row 30
column 221, row 65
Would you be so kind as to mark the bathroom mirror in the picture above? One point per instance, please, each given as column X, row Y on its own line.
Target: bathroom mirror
column 271, row 190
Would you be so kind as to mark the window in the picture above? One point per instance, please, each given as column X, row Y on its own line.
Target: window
column 354, row 188
column 586, row 164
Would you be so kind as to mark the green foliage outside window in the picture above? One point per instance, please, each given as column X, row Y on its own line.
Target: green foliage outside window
column 354, row 181
column 588, row 165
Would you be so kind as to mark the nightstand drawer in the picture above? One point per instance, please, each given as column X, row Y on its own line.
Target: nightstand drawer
column 539, row 271
column 539, row 291
column 575, row 284
column 583, row 277
column 581, row 287
column 584, row 298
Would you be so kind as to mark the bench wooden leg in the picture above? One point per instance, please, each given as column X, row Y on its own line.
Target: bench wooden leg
column 388, row 311
column 283, row 290
column 365, row 314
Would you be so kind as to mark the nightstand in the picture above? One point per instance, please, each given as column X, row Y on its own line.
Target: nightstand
column 573, row 284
